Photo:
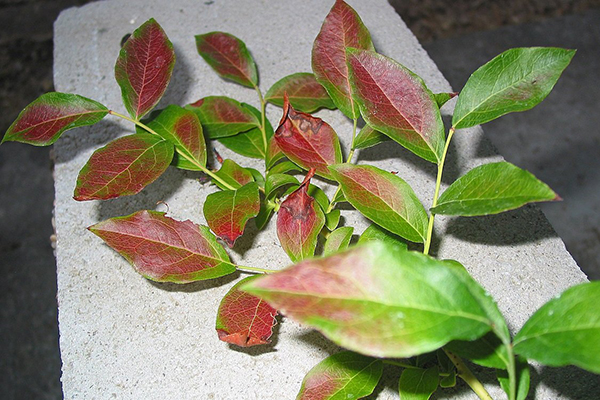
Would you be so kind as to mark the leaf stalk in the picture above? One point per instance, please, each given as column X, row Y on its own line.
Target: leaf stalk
column 466, row 375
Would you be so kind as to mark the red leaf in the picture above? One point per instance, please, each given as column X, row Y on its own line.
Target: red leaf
column 228, row 211
column 165, row 250
column 299, row 222
column 308, row 141
column 221, row 116
column 396, row 102
column 229, row 57
column 305, row 93
column 243, row 319
column 144, row 68
column 342, row 28
column 43, row 121
column 123, row 167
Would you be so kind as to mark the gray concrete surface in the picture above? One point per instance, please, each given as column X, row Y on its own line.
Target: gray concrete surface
column 125, row 337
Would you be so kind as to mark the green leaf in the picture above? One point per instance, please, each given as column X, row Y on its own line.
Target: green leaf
column 43, row 121
column 442, row 98
column 332, row 219
column 565, row 330
column 523, row 378
column 303, row 90
column 424, row 302
column 369, row 137
column 342, row 376
column 222, row 116
column 516, row 80
column 375, row 232
column 249, row 143
column 384, row 198
column 182, row 128
column 448, row 381
column 234, row 175
column 276, row 181
column 284, row 167
column 264, row 215
column 418, row 384
column 320, row 197
column 228, row 211
column 487, row 351
column 491, row 189
column 338, row 240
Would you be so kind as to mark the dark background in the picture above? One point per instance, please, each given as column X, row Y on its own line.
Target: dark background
column 30, row 361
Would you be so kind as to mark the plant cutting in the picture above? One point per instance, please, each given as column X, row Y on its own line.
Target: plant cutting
column 384, row 303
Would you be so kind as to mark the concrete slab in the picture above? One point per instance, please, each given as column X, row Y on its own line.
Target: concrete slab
column 127, row 338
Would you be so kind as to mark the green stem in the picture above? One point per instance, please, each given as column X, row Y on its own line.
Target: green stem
column 190, row 159
column 466, row 375
column 512, row 374
column 438, row 183
column 348, row 160
column 253, row 269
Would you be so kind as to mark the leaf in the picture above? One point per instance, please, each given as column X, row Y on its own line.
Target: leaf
column 243, row 319
column 233, row 175
column 46, row 118
column 338, row 240
column 320, row 197
column 299, row 223
column 565, row 330
column 228, row 211
column 368, row 137
column 375, row 232
column 487, row 351
column 163, row 249
column 274, row 154
column 342, row 376
column 276, row 181
column 303, row 90
column 332, row 219
column 384, row 198
column 264, row 215
column 284, row 167
column 442, row 98
column 308, row 141
column 182, row 128
column 123, row 167
column 523, row 379
column 396, row 102
column 418, row 384
column 229, row 57
column 516, row 80
column 221, row 116
column 491, row 189
column 144, row 68
column 342, row 28
column 249, row 143
column 347, row 296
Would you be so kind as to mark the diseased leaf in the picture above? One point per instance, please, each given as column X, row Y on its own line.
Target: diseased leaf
column 375, row 232
column 565, row 330
column 229, row 57
column 338, row 240
column 442, row 98
column 308, row 141
column 342, row 376
column 418, row 384
column 182, row 128
column 250, row 143
column 516, row 80
column 123, row 167
column 233, row 175
column 303, row 90
column 299, row 222
column 144, row 68
column 342, row 28
column 523, row 379
column 396, row 102
column 276, row 181
column 243, row 319
column 487, row 351
column 368, row 137
column 424, row 302
column 163, row 249
column 491, row 189
column 228, row 211
column 46, row 118
column 221, row 116
column 384, row 198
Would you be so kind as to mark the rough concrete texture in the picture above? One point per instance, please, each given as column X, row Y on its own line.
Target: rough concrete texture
column 127, row 338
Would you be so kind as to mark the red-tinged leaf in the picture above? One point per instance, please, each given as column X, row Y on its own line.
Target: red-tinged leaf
column 144, row 68
column 123, row 167
column 342, row 376
column 396, row 102
column 233, row 174
column 243, row 319
column 165, row 250
column 43, row 121
column 228, row 211
column 299, row 222
column 308, row 141
column 303, row 90
column 384, row 198
column 221, row 116
column 182, row 128
column 229, row 57
column 342, row 28
column 274, row 153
